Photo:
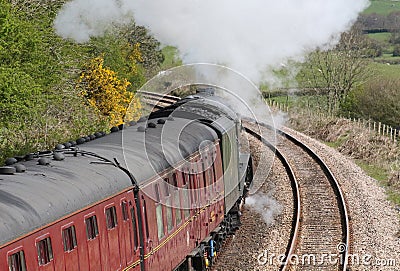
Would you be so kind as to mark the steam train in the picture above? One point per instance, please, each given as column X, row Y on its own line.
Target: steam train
column 159, row 194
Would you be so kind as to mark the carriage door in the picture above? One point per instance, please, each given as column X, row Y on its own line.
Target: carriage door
column 127, row 232
column 70, row 251
column 93, row 242
column 113, row 238
column 45, row 253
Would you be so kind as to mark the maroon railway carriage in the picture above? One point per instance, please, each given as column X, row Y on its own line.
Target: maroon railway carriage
column 159, row 195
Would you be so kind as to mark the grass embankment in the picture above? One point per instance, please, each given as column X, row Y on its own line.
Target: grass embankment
column 377, row 155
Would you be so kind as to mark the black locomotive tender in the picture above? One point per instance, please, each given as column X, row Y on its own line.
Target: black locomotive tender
column 118, row 201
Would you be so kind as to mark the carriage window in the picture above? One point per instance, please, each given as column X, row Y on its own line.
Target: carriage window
column 160, row 222
column 166, row 187
column 170, row 222
column 16, row 261
column 186, row 201
column 91, row 227
column 124, row 207
column 157, row 192
column 175, row 181
column 111, row 217
column 135, row 239
column 214, row 176
column 193, row 188
column 69, row 238
column 185, row 176
column 178, row 215
column 205, row 178
column 145, row 217
column 45, row 252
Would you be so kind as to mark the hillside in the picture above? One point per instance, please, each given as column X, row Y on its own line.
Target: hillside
column 383, row 7
column 47, row 95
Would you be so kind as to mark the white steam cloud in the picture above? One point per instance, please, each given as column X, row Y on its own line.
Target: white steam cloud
column 265, row 205
column 248, row 36
column 82, row 19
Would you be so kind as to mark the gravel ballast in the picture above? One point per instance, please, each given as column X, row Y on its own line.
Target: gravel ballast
column 374, row 221
column 375, row 243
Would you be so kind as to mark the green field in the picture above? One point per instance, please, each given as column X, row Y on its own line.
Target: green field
column 385, row 70
column 382, row 37
column 383, row 7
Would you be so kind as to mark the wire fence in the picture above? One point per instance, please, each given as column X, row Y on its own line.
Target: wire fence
column 377, row 127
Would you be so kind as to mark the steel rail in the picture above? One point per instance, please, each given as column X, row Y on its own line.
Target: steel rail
column 336, row 188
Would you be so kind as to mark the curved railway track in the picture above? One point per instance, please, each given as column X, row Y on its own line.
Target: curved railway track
column 320, row 232
column 320, row 238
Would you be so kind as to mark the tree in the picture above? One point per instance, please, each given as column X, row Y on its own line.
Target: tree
column 396, row 50
column 107, row 93
column 40, row 104
column 335, row 72
column 131, row 51
column 395, row 37
column 151, row 54
column 379, row 101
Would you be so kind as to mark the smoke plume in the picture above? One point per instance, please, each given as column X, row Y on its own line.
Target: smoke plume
column 248, row 36
column 265, row 205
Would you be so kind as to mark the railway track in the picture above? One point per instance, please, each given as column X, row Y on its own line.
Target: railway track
column 157, row 100
column 320, row 231
column 319, row 238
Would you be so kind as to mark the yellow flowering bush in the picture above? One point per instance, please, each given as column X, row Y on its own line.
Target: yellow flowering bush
column 107, row 93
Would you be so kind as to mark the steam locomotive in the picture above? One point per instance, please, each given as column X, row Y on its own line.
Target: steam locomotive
column 160, row 194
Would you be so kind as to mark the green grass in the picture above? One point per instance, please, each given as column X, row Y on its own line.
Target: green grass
column 376, row 172
column 388, row 57
column 381, row 175
column 387, row 71
column 286, row 100
column 382, row 37
column 171, row 57
column 300, row 101
column 336, row 144
column 394, row 197
column 383, row 7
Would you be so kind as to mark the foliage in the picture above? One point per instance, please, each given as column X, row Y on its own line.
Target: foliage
column 376, row 154
column 379, row 101
column 151, row 54
column 40, row 105
column 23, row 47
column 336, row 72
column 122, row 57
column 395, row 37
column 396, row 50
column 106, row 92
column 375, row 23
column 19, row 96
column 171, row 57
